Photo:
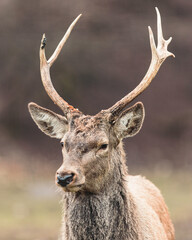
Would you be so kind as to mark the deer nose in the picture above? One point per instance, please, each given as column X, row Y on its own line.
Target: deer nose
column 65, row 179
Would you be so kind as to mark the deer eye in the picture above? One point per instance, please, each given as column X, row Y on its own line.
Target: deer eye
column 62, row 144
column 103, row 146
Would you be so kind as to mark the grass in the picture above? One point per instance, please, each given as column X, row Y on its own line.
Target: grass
column 30, row 209
column 176, row 188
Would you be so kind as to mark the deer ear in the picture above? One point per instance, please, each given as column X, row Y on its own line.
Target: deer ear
column 130, row 121
column 52, row 124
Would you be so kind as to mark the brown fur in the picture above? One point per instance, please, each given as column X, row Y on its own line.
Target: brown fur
column 100, row 200
column 103, row 201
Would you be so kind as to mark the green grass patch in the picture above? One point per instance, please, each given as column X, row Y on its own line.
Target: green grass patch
column 29, row 211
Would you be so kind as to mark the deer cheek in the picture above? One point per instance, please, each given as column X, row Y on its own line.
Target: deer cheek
column 96, row 169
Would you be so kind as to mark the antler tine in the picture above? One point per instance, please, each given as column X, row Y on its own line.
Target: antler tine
column 45, row 70
column 159, row 54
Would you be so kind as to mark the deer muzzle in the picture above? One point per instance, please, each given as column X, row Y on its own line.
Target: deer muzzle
column 66, row 179
column 69, row 180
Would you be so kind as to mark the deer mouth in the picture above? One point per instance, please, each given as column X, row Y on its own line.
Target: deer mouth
column 73, row 188
column 69, row 181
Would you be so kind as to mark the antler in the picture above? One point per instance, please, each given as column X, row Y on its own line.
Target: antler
column 45, row 70
column 159, row 54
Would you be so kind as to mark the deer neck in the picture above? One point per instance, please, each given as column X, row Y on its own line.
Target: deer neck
column 98, row 216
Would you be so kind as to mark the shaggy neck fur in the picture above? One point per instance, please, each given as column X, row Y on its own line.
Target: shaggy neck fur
column 106, row 215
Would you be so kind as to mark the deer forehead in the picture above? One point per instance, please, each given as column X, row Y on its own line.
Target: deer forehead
column 87, row 130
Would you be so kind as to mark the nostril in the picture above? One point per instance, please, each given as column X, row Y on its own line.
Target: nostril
column 65, row 179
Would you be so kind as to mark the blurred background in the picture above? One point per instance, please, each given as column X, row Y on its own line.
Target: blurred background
column 106, row 56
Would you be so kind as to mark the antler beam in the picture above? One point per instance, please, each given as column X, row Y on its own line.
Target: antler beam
column 159, row 54
column 45, row 70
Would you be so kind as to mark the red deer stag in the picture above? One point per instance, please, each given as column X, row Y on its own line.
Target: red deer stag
column 101, row 201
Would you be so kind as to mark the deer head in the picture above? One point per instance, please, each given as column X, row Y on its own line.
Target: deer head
column 91, row 145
